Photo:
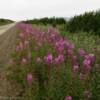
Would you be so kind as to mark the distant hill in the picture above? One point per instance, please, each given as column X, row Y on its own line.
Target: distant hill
column 5, row 21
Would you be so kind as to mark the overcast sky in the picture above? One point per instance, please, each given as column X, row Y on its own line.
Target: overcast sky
column 26, row 9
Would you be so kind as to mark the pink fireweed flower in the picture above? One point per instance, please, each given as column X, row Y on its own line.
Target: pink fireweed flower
column 74, row 60
column 90, row 57
column 70, row 51
column 67, row 43
column 22, row 35
column 71, row 46
column 82, row 76
column 24, row 61
column 81, row 52
column 38, row 59
column 52, row 30
column 87, row 62
column 60, row 45
column 88, row 68
column 60, row 49
column 68, row 98
column 17, row 48
column 75, row 68
column 48, row 58
column 29, row 78
column 59, row 59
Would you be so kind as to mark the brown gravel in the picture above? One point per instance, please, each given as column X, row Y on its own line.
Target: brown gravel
column 7, row 46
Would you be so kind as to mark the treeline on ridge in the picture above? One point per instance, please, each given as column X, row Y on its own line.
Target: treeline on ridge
column 88, row 22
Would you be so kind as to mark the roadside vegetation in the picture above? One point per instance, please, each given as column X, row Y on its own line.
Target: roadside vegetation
column 58, row 60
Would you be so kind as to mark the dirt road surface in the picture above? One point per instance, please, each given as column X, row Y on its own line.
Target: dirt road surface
column 4, row 28
column 8, row 36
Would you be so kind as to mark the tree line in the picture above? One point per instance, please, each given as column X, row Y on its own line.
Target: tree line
column 87, row 22
column 45, row 21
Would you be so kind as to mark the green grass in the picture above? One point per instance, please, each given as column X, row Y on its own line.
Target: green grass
column 83, row 40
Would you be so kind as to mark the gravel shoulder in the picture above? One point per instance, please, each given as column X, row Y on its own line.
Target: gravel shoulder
column 4, row 28
column 8, row 36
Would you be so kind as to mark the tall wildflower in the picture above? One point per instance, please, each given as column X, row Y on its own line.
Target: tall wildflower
column 24, row 61
column 59, row 59
column 68, row 98
column 29, row 78
column 48, row 58
column 82, row 76
column 81, row 52
column 75, row 68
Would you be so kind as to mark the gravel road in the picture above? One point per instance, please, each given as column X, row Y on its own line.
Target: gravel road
column 4, row 28
column 8, row 36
